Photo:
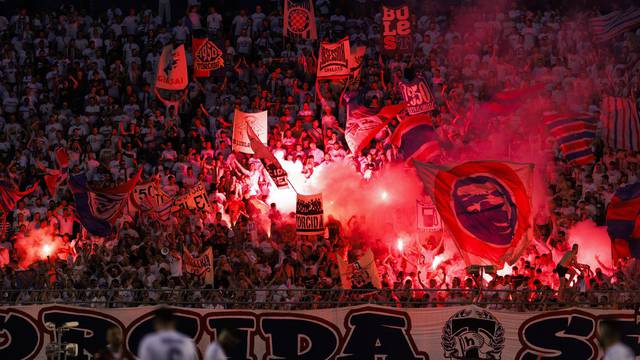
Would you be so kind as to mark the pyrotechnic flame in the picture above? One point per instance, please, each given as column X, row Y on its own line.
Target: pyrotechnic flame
column 46, row 250
column 436, row 261
column 400, row 244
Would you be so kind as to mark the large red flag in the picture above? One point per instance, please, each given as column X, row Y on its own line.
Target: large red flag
column 485, row 205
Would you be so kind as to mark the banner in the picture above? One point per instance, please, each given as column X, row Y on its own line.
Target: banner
column 417, row 96
column 333, row 61
column 271, row 164
column 299, row 20
column 356, row 60
column 360, row 332
column 309, row 214
column 207, row 57
column 486, row 206
column 150, row 199
column 195, row 199
column 201, row 267
column 172, row 69
column 257, row 121
column 427, row 217
column 396, row 30
column 362, row 274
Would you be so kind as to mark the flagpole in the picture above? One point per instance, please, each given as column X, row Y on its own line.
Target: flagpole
column 291, row 184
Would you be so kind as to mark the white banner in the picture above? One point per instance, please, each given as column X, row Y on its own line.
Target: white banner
column 363, row 332
column 258, row 122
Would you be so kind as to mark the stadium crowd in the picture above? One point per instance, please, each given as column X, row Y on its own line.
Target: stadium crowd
column 86, row 84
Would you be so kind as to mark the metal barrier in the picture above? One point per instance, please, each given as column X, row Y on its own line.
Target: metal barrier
column 285, row 298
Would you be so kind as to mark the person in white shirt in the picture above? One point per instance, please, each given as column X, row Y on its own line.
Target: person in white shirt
column 166, row 343
column 226, row 340
column 609, row 337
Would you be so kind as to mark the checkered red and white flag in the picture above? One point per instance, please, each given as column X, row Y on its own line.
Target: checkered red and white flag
column 300, row 20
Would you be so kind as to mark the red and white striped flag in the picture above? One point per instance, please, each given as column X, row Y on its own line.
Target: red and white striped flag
column 621, row 125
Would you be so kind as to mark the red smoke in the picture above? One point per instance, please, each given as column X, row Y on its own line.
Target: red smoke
column 37, row 245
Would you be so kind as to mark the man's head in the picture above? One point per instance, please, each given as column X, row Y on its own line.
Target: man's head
column 164, row 319
column 114, row 336
column 609, row 333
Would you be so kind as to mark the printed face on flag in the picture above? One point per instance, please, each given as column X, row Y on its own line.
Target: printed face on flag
column 484, row 204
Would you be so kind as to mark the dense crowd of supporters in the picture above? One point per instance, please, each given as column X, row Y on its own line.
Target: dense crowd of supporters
column 86, row 83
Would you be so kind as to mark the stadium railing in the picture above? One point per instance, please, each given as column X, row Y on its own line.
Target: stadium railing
column 290, row 299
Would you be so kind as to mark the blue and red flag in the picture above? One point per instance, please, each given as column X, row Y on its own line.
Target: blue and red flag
column 485, row 205
column 416, row 139
column 574, row 133
column 10, row 195
column 98, row 209
column 623, row 222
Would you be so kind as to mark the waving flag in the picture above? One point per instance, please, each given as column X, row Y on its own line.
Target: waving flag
column 299, row 20
column 619, row 117
column 201, row 266
column 10, row 195
column 356, row 60
column 364, row 123
column 396, row 30
column 172, row 69
column 149, row 198
column 574, row 133
column 609, row 26
column 274, row 169
column 54, row 177
column 416, row 139
column 99, row 208
column 485, row 205
column 623, row 222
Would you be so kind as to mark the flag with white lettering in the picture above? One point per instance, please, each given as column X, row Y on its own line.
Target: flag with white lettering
column 172, row 69
column 396, row 30
column 201, row 266
column 309, row 214
column 417, row 96
column 299, row 20
column 333, row 61
column 241, row 120
column 271, row 164
column 195, row 199
column 207, row 57
column 150, row 199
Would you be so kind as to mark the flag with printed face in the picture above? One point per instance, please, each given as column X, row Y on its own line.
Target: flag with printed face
column 271, row 164
column 574, row 134
column 623, row 222
column 356, row 60
column 172, row 69
column 416, row 139
column 299, row 19
column 241, row 120
column 195, row 199
column 309, row 214
column 485, row 205
column 427, row 217
column 362, row 274
column 364, row 123
column 417, row 96
column 207, row 57
column 396, row 30
column 201, row 266
column 620, row 122
column 333, row 61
